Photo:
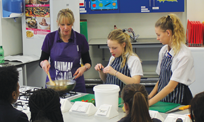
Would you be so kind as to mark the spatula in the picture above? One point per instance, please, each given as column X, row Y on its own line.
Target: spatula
column 51, row 82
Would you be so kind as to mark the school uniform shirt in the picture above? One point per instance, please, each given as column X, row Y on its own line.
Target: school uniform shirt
column 9, row 114
column 65, row 57
column 132, row 67
column 179, row 68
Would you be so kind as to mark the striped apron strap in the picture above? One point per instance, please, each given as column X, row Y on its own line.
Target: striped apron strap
column 110, row 79
column 165, row 74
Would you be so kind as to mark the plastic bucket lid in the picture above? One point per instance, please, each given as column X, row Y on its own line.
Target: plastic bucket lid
column 106, row 88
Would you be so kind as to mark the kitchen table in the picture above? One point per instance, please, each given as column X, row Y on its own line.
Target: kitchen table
column 20, row 64
column 77, row 118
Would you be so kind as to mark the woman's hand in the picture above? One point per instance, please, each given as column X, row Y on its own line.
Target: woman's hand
column 99, row 67
column 45, row 65
column 79, row 72
column 109, row 70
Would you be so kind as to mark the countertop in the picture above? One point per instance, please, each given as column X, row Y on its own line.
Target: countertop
column 68, row 117
column 76, row 118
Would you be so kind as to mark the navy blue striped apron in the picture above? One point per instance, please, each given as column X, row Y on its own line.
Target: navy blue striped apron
column 181, row 93
column 111, row 79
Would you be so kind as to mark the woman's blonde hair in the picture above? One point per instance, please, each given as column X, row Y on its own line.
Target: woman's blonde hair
column 173, row 23
column 65, row 14
column 121, row 37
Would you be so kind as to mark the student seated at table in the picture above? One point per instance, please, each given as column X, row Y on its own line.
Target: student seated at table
column 136, row 105
column 197, row 108
column 45, row 106
column 9, row 92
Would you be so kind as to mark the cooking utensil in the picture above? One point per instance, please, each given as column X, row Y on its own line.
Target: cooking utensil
column 62, row 85
column 180, row 109
column 51, row 82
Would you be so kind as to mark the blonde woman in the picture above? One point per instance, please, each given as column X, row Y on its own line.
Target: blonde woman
column 175, row 66
column 124, row 66
column 66, row 47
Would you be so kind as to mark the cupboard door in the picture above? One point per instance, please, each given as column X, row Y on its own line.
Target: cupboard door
column 135, row 6
column 167, row 6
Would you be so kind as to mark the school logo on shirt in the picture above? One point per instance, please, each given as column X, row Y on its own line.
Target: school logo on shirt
column 63, row 70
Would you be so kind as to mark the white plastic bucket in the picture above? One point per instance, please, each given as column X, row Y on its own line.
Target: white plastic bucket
column 106, row 94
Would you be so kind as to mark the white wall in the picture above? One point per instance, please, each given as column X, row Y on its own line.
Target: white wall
column 195, row 10
column 99, row 25
column 198, row 56
column 11, row 36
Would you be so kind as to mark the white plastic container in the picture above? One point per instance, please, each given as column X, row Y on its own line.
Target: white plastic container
column 106, row 94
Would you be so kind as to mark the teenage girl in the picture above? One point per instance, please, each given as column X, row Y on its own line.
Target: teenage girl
column 135, row 100
column 175, row 65
column 124, row 66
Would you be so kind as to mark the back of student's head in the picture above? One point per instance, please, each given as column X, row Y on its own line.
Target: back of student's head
column 197, row 108
column 45, row 105
column 173, row 23
column 135, row 95
column 8, row 82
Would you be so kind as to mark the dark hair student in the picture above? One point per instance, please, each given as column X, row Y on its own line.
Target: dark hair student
column 135, row 100
column 45, row 106
column 9, row 92
column 197, row 108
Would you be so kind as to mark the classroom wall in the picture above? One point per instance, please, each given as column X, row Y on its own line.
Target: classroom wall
column 195, row 10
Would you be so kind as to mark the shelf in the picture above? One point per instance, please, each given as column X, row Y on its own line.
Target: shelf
column 141, row 43
column 149, row 61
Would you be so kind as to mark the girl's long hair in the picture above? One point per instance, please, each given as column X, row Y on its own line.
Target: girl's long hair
column 136, row 97
column 173, row 23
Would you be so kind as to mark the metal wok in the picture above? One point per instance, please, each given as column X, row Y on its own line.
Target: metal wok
column 62, row 85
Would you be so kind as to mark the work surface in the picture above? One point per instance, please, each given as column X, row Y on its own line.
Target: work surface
column 77, row 118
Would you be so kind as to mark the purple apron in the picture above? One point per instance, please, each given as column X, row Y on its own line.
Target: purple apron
column 64, row 61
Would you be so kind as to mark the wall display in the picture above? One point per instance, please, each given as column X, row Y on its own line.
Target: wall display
column 104, row 5
column 37, row 15
column 167, row 6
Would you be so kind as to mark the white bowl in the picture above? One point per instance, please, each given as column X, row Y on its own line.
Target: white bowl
column 43, row 27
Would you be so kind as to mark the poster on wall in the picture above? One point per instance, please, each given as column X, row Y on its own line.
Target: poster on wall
column 37, row 15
